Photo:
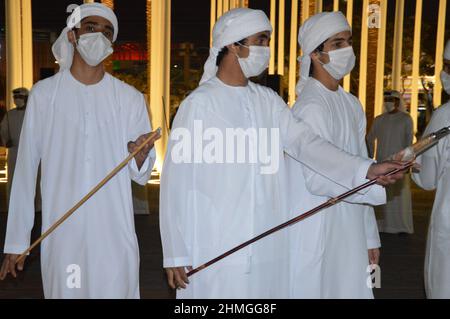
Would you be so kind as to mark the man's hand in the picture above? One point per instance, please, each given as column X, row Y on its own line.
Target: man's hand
column 177, row 277
column 374, row 256
column 379, row 170
column 143, row 154
column 9, row 266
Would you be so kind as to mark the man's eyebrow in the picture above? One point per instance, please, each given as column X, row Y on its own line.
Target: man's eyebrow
column 96, row 24
column 340, row 39
column 264, row 36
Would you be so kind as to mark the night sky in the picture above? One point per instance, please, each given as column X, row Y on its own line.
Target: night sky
column 190, row 18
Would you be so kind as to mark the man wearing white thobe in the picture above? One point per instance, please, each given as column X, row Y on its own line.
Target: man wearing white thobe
column 435, row 174
column 80, row 124
column 393, row 131
column 215, row 197
column 331, row 251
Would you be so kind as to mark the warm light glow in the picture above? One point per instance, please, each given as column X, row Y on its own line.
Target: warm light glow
column 281, row 37
column 398, row 46
column 19, row 47
column 212, row 20
column 159, row 36
column 363, row 55
column 336, row 5
column 440, row 42
column 416, row 64
column 350, row 21
column 293, row 53
column 273, row 15
column 381, row 48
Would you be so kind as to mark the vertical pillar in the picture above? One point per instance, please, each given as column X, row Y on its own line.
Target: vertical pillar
column 159, row 79
column 19, row 47
column 281, row 36
column 363, row 54
column 350, row 21
column 293, row 52
column 440, row 42
column 335, row 5
column 416, row 64
column 381, row 48
column 273, row 18
column 398, row 45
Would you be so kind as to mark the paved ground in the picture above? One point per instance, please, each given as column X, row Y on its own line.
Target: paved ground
column 401, row 263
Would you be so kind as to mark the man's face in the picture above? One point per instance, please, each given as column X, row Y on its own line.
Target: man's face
column 338, row 41
column 392, row 99
column 259, row 39
column 20, row 100
column 94, row 24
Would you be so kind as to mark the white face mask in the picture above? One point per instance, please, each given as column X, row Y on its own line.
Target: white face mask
column 445, row 80
column 256, row 62
column 389, row 106
column 20, row 103
column 94, row 48
column 341, row 62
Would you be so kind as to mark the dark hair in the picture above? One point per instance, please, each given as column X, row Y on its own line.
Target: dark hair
column 318, row 49
column 224, row 51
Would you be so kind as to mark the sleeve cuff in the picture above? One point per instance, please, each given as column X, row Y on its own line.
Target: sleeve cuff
column 177, row 262
column 15, row 249
column 373, row 243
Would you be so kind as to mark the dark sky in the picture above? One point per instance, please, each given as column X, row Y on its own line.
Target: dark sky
column 190, row 18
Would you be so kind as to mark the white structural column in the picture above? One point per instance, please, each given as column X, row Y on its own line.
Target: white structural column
column 381, row 48
column 416, row 64
column 293, row 52
column 350, row 21
column 19, row 47
column 363, row 54
column 440, row 42
column 398, row 45
column 281, row 36
column 160, row 71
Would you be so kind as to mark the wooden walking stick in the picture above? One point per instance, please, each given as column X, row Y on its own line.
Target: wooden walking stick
column 90, row 194
column 410, row 154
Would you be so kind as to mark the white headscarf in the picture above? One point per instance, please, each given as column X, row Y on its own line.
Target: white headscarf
column 314, row 31
column 233, row 26
column 62, row 49
column 447, row 51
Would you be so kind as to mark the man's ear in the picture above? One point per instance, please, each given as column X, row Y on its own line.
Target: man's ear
column 71, row 36
column 232, row 48
column 315, row 55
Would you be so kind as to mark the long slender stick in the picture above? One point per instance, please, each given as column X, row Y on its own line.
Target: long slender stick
column 90, row 194
column 292, row 221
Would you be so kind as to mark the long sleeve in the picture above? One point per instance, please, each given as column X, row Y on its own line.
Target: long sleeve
column 433, row 160
column 371, row 228
column 178, row 193
column 21, row 206
column 139, row 124
column 313, row 149
column 409, row 132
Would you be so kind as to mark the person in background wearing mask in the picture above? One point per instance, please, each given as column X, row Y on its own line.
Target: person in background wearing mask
column 393, row 131
column 10, row 128
column 220, row 204
column 435, row 175
column 80, row 124
column 330, row 252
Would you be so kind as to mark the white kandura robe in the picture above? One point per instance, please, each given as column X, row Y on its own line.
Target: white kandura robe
column 393, row 133
column 329, row 251
column 435, row 174
column 207, row 209
column 80, row 133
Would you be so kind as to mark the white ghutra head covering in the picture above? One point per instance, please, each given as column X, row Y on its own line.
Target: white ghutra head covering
column 62, row 49
column 233, row 26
